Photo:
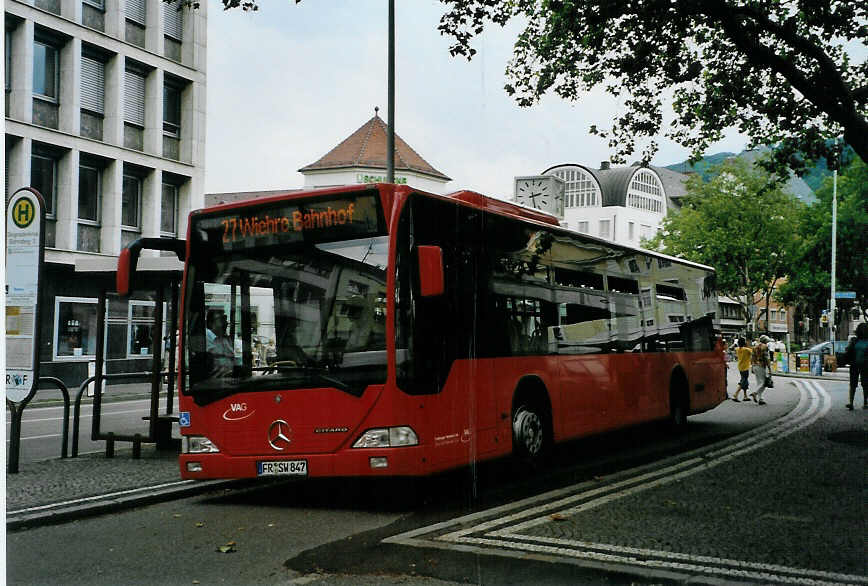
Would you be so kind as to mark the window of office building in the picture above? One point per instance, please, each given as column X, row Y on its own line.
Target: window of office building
column 46, row 83
column 173, row 28
column 92, row 97
column 580, row 189
column 646, row 232
column 7, row 57
column 43, row 178
column 645, row 192
column 131, row 209
column 46, row 80
column 134, row 109
column 93, row 14
column 89, row 207
column 49, row 5
column 605, row 228
column 171, row 118
column 169, row 210
column 136, row 14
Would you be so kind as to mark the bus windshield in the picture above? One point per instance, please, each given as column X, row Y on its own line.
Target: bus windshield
column 294, row 315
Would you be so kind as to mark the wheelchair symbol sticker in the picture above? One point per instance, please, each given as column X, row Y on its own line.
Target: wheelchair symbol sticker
column 184, row 419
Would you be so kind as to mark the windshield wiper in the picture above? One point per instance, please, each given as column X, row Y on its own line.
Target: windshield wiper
column 319, row 372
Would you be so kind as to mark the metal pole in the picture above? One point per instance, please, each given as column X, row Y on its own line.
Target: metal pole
column 171, row 329
column 156, row 366
column 834, row 243
column 390, row 135
column 100, row 364
column 14, row 437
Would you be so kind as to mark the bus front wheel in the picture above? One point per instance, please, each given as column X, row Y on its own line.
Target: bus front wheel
column 528, row 431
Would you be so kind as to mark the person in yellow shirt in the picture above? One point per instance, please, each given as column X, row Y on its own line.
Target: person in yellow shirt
column 743, row 355
column 761, row 369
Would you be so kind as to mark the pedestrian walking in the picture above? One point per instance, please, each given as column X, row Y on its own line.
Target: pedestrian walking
column 742, row 354
column 761, row 369
column 857, row 358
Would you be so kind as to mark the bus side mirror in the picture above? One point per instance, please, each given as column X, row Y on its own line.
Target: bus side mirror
column 129, row 258
column 431, row 281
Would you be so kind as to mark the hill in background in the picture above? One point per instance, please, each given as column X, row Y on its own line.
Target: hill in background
column 798, row 186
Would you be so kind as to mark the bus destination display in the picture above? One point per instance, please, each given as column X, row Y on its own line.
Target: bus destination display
column 311, row 221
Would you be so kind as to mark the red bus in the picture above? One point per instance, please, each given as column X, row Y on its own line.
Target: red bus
column 379, row 330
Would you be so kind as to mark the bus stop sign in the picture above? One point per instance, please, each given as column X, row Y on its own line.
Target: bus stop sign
column 24, row 255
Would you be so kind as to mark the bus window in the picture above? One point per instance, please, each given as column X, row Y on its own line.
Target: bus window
column 626, row 328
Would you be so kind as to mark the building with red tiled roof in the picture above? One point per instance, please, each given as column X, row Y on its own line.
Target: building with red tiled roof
column 361, row 158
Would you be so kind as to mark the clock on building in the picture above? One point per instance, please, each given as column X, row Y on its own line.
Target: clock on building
column 542, row 192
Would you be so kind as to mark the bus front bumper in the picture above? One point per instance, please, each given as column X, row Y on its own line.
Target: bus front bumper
column 405, row 461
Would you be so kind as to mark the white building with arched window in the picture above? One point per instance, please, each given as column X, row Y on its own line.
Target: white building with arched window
column 624, row 204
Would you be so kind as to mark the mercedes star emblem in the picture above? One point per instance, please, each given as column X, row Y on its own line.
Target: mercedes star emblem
column 278, row 435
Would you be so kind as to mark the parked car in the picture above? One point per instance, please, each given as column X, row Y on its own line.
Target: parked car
column 824, row 348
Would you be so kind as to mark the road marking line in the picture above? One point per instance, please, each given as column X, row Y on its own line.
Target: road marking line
column 632, row 476
column 83, row 405
column 737, row 569
column 82, row 416
column 36, row 437
column 814, row 403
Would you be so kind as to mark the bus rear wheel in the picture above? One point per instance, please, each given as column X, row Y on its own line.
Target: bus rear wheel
column 528, row 432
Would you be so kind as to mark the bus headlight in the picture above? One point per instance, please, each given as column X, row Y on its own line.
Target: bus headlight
column 198, row 444
column 387, row 437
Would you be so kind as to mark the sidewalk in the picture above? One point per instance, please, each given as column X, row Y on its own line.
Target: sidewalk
column 53, row 491
column 56, row 490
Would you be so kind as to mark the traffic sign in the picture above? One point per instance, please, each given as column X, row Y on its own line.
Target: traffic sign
column 845, row 295
column 24, row 253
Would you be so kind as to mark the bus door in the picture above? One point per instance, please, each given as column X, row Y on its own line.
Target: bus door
column 438, row 342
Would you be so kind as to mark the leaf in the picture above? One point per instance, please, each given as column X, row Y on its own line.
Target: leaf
column 200, row 524
column 228, row 548
column 557, row 517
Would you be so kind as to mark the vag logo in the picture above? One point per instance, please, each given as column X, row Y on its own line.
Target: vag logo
column 237, row 411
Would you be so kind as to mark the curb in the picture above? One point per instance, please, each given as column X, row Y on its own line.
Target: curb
column 106, row 503
column 829, row 378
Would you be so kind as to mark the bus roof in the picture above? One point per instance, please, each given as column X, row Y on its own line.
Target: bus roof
column 467, row 197
column 502, row 207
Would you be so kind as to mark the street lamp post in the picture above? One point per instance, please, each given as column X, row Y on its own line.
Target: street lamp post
column 834, row 242
column 390, row 134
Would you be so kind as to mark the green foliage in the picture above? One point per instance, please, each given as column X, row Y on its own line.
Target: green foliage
column 738, row 222
column 809, row 285
column 776, row 70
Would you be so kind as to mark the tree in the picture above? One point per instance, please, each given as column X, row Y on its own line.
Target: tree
column 738, row 224
column 809, row 285
column 777, row 70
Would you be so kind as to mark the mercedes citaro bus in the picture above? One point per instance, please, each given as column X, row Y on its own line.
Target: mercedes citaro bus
column 379, row 330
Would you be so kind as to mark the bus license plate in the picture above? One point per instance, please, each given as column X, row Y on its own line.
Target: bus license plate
column 282, row 468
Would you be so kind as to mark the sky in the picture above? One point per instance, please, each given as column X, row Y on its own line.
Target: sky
column 287, row 83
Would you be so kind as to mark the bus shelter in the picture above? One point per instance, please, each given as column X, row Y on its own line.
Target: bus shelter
column 145, row 325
